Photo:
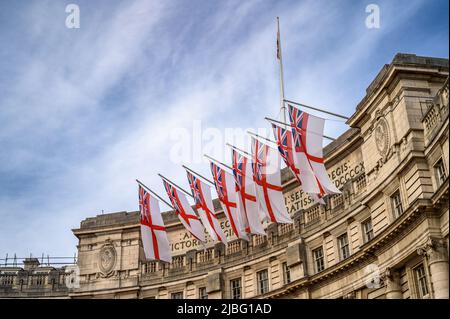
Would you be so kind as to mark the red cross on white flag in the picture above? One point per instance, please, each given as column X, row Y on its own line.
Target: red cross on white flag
column 267, row 177
column 205, row 208
column 184, row 211
column 307, row 133
column 226, row 191
column 153, row 232
column 245, row 187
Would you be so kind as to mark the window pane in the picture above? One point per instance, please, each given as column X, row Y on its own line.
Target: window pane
column 343, row 246
column 202, row 293
column 421, row 278
column 397, row 204
column 263, row 281
column 440, row 172
column 286, row 274
column 318, row 259
column 235, row 287
column 177, row 295
column 367, row 230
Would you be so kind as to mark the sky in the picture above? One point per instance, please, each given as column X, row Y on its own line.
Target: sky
column 142, row 87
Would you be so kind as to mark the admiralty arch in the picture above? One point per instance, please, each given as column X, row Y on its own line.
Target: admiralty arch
column 385, row 236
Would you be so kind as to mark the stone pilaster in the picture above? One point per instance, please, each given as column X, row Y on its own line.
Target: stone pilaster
column 295, row 253
column 436, row 253
column 214, row 284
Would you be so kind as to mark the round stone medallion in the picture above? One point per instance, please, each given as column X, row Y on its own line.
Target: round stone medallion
column 382, row 136
column 107, row 258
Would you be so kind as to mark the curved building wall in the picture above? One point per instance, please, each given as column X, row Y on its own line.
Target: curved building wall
column 386, row 236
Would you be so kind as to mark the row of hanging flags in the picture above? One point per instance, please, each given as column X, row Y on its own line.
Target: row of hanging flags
column 249, row 191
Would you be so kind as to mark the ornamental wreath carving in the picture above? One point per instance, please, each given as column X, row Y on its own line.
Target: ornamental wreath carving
column 107, row 259
column 382, row 136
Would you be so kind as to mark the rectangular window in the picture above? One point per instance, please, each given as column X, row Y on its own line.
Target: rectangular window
column 262, row 278
column 235, row 288
column 422, row 284
column 319, row 263
column 367, row 230
column 440, row 172
column 202, row 294
column 344, row 251
column 177, row 295
column 286, row 274
column 397, row 204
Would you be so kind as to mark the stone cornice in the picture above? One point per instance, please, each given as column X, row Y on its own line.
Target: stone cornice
column 401, row 63
column 367, row 251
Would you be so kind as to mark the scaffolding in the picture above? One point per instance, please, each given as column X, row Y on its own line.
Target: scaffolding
column 44, row 260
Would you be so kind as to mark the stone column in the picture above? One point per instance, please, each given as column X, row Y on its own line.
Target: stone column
column 393, row 285
column 436, row 253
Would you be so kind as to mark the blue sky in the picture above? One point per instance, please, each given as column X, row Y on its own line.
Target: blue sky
column 83, row 112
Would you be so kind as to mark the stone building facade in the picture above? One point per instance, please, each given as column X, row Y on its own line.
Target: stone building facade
column 386, row 236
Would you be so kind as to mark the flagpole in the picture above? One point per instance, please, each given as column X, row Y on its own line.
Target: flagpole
column 175, row 185
column 198, row 175
column 154, row 194
column 261, row 137
column 283, row 123
column 243, row 153
column 217, row 162
column 280, row 59
column 317, row 109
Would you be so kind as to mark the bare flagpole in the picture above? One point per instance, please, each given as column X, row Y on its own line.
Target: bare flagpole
column 280, row 60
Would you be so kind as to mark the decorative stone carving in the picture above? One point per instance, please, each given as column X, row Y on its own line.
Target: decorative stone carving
column 382, row 138
column 434, row 249
column 107, row 259
column 394, row 102
column 436, row 253
column 404, row 144
column 391, row 280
